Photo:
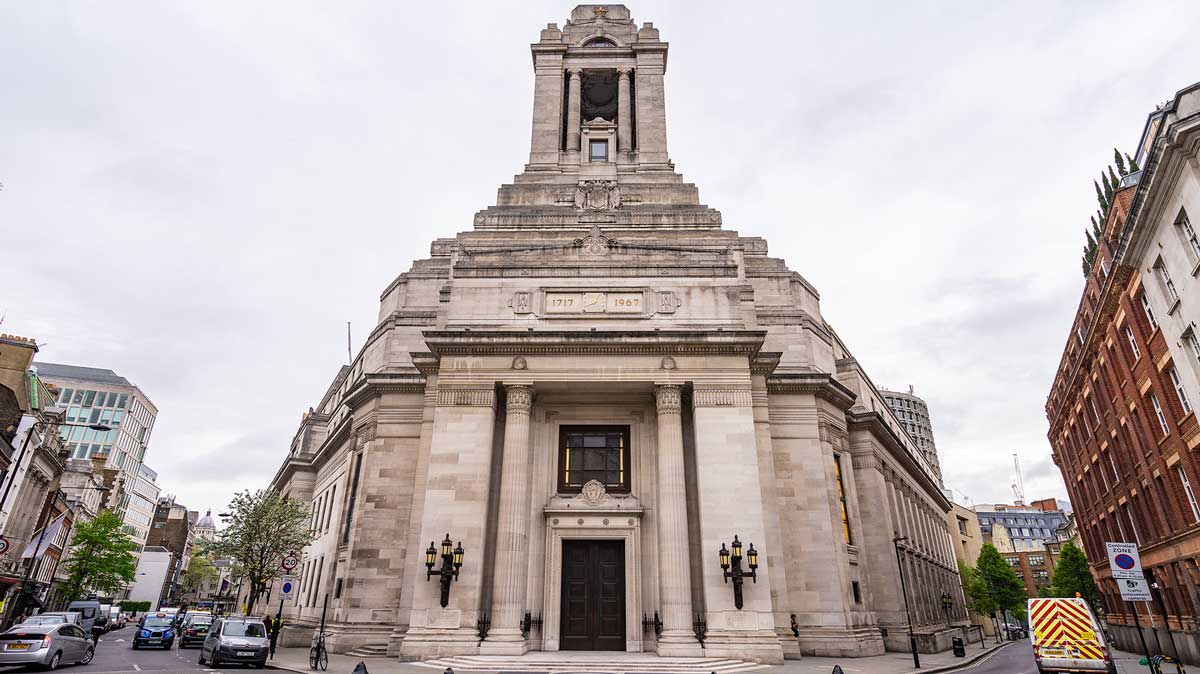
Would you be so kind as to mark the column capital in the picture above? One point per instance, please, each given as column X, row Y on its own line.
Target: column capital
column 518, row 397
column 668, row 398
column 574, row 71
column 624, row 73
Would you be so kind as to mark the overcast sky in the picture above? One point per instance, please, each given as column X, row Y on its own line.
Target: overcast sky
column 200, row 195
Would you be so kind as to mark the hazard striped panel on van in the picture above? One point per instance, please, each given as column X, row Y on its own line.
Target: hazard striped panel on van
column 1064, row 623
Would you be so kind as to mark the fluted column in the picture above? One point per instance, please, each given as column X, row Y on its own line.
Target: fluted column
column 509, row 579
column 574, row 94
column 675, row 583
column 624, row 116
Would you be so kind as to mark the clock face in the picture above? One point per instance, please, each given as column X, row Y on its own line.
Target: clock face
column 599, row 95
column 594, row 301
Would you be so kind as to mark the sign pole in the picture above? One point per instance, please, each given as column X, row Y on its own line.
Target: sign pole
column 1141, row 636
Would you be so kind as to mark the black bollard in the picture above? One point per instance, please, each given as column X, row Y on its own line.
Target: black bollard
column 837, row 669
column 360, row 668
column 448, row 671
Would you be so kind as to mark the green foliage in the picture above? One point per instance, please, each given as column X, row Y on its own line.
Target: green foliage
column 978, row 599
column 1133, row 167
column 1100, row 198
column 261, row 530
column 999, row 582
column 134, row 606
column 1109, row 187
column 100, row 559
column 1121, row 168
column 1072, row 575
column 199, row 573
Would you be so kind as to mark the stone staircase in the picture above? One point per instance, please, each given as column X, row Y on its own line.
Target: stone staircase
column 592, row 662
column 369, row 651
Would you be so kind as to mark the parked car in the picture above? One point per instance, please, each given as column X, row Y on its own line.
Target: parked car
column 48, row 619
column 235, row 639
column 46, row 646
column 154, row 629
column 195, row 628
column 116, row 619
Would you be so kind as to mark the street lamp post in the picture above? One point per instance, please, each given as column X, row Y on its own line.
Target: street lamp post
column 912, row 640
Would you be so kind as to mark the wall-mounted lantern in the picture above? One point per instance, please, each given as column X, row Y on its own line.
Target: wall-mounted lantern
column 731, row 567
column 452, row 561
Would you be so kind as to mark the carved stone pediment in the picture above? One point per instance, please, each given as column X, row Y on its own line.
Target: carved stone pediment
column 594, row 498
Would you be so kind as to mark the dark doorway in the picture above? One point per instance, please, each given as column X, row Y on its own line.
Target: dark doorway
column 593, row 596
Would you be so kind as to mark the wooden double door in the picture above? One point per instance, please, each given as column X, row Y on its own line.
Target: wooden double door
column 593, row 596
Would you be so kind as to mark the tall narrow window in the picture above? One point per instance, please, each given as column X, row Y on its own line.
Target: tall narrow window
column 1137, row 538
column 1193, row 344
column 1178, row 384
column 1137, row 353
column 353, row 498
column 841, row 489
column 1189, row 234
column 1113, row 464
column 1158, row 412
column 1095, row 412
column 1187, row 489
column 329, row 507
column 1164, row 276
column 597, row 150
column 1149, row 312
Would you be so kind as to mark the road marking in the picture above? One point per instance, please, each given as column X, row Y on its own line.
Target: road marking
column 137, row 668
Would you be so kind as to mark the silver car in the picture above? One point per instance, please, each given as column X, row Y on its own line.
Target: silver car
column 235, row 639
column 47, row 646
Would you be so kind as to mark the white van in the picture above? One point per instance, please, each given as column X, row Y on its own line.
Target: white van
column 1066, row 637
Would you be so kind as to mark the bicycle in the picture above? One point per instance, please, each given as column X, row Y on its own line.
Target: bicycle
column 318, row 657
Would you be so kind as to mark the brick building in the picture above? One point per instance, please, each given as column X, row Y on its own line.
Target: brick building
column 1035, row 569
column 1122, row 424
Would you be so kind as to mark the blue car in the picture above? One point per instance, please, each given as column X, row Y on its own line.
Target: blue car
column 155, row 630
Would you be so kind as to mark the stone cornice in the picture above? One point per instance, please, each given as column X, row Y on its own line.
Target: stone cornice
column 765, row 362
column 820, row 384
column 721, row 396
column 375, row 383
column 874, row 423
column 464, row 342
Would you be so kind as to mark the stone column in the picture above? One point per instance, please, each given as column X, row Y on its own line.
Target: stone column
column 512, row 549
column 624, row 114
column 675, row 581
column 574, row 94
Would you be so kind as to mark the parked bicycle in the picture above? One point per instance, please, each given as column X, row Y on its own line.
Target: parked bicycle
column 318, row 657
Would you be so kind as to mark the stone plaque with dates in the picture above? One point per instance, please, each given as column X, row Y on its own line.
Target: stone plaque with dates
column 558, row 302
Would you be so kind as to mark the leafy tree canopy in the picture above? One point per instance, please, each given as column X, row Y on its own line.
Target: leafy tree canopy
column 200, row 572
column 100, row 559
column 262, row 529
column 1072, row 575
column 1000, row 583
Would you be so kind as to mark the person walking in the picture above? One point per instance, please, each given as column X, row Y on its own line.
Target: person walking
column 273, row 632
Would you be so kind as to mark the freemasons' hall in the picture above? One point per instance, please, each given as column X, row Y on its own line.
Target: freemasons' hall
column 633, row 425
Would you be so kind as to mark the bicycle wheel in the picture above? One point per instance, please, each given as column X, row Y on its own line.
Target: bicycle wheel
column 323, row 660
column 312, row 658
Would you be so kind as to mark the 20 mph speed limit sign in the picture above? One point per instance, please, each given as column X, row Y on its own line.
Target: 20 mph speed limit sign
column 290, row 563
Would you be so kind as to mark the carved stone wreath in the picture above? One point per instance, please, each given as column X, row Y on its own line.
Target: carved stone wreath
column 593, row 492
column 595, row 243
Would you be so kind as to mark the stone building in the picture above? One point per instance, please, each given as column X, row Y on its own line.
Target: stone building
column 1123, row 427
column 594, row 390
column 913, row 413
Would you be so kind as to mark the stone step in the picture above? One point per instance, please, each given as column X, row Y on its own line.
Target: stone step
column 616, row 663
column 369, row 651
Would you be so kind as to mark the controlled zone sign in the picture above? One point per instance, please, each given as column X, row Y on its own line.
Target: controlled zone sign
column 1134, row 589
column 287, row 588
column 1124, row 561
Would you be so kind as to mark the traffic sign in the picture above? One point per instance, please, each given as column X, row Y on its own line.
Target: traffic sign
column 1134, row 589
column 3, row 545
column 290, row 563
column 287, row 588
column 1124, row 560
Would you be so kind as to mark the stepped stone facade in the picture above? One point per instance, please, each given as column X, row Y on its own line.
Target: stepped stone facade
column 594, row 390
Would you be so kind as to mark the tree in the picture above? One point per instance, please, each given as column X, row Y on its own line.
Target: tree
column 262, row 529
column 100, row 558
column 1133, row 167
column 200, row 572
column 978, row 599
column 1000, row 583
column 1120, row 163
column 1072, row 575
column 1100, row 198
column 1112, row 178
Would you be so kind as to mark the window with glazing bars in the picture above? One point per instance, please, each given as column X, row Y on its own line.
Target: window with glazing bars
column 841, row 488
column 593, row 453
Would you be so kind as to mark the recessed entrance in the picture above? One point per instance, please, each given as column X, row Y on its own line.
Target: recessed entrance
column 593, row 595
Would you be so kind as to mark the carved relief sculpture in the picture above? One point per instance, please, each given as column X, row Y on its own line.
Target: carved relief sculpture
column 597, row 195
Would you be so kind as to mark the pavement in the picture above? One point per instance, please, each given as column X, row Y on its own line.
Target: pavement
column 296, row 660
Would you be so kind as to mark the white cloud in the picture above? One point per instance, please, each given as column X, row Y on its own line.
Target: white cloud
column 200, row 195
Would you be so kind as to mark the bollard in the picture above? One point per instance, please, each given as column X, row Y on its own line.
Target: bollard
column 837, row 669
column 448, row 671
column 360, row 668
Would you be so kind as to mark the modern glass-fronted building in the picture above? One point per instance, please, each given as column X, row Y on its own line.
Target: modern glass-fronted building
column 108, row 415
